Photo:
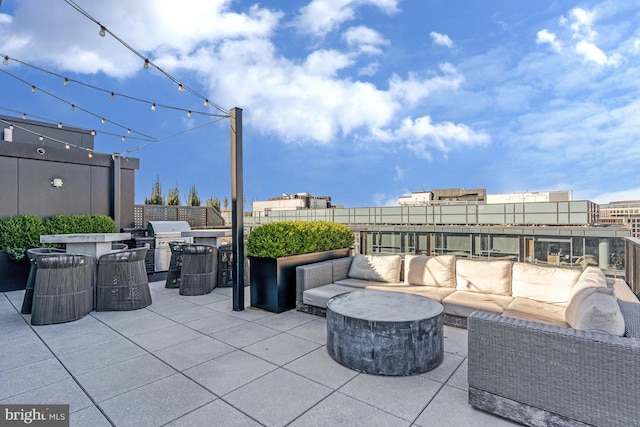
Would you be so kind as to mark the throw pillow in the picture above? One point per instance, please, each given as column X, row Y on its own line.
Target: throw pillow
column 631, row 314
column 381, row 268
column 600, row 312
column 575, row 303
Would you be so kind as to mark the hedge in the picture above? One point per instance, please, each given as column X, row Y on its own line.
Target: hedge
column 279, row 239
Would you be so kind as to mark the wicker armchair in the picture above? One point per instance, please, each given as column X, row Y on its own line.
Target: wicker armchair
column 63, row 288
column 198, row 275
column 31, row 279
column 175, row 265
column 122, row 281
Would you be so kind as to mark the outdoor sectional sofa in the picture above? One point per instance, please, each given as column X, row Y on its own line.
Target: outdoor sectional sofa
column 546, row 345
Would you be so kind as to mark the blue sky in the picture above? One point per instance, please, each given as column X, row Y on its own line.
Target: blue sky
column 361, row 100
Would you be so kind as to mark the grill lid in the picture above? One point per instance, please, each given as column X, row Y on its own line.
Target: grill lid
column 163, row 227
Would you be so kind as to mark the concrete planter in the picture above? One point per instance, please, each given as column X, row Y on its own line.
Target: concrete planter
column 273, row 280
column 13, row 274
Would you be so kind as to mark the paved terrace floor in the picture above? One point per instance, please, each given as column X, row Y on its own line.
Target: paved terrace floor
column 193, row 361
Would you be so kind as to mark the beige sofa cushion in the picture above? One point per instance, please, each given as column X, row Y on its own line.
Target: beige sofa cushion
column 319, row 296
column 536, row 311
column 463, row 303
column 423, row 270
column 488, row 277
column 600, row 312
column 547, row 284
column 382, row 268
column 436, row 293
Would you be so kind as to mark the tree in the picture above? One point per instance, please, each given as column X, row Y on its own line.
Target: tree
column 156, row 194
column 193, row 199
column 173, row 199
column 225, row 203
column 214, row 203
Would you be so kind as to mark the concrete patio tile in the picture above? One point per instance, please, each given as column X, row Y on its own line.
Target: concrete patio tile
column 460, row 378
column 21, row 347
column 194, row 312
column 191, row 353
column 450, row 409
column 287, row 320
column 404, row 397
column 315, row 331
column 15, row 298
column 169, row 304
column 30, row 377
column 230, row 371
column 65, row 392
column 101, row 356
column 222, row 306
column 283, row 397
column 130, row 325
column 157, row 403
column 281, row 349
column 206, row 299
column 320, row 367
column 215, row 413
column 165, row 337
column 81, row 340
column 122, row 377
column 341, row 410
column 89, row 416
column 250, row 313
column 455, row 341
column 442, row 373
column 244, row 335
column 218, row 322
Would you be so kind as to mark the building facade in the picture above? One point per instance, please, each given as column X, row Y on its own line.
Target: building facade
column 625, row 213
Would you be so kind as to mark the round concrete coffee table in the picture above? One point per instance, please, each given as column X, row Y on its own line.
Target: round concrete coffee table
column 385, row 332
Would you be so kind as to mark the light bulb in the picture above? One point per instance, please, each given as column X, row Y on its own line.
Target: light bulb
column 90, row 155
column 129, row 131
column 103, row 121
column 153, row 107
column 33, row 89
column 40, row 137
column 24, row 116
column 66, row 81
column 188, row 113
column 113, row 95
column 124, row 138
column 73, row 107
column 67, row 146
column 206, row 102
column 103, row 31
column 10, row 127
column 180, row 87
column 93, row 133
column 5, row 61
column 60, row 125
column 146, row 63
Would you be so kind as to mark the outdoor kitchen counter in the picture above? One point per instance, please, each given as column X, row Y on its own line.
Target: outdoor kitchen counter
column 95, row 244
column 207, row 237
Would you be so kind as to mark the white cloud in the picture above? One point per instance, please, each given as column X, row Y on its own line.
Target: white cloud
column 631, row 194
column 365, row 39
column 546, row 37
column 400, row 173
column 591, row 52
column 383, row 199
column 415, row 88
column 441, row 39
column 369, row 69
column 322, row 16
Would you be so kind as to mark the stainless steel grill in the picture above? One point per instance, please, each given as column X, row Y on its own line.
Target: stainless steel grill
column 164, row 232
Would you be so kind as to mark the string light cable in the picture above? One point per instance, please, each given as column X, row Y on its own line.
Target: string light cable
column 146, row 62
column 42, row 137
column 113, row 94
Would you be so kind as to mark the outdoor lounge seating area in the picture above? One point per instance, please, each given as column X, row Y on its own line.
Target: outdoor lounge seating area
column 188, row 360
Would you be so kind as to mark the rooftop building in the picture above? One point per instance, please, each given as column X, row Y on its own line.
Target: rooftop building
column 625, row 213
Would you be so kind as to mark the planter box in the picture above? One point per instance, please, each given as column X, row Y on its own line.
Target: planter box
column 13, row 274
column 273, row 280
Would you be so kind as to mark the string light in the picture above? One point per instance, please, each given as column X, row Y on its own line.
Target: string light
column 41, row 137
column 33, row 89
column 73, row 107
column 65, row 81
column 93, row 133
column 129, row 131
column 67, row 146
column 113, row 95
column 146, row 63
column 103, row 121
column 24, row 116
column 124, row 138
column 103, row 31
column 188, row 113
column 5, row 60
column 206, row 102
column 90, row 155
column 59, row 125
column 180, row 87
column 153, row 107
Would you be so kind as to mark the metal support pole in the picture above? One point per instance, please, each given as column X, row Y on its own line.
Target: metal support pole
column 117, row 190
column 237, row 210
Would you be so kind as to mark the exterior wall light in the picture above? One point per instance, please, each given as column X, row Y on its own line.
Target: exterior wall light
column 57, row 182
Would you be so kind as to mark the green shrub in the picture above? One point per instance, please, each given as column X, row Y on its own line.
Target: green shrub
column 72, row 224
column 279, row 239
column 19, row 233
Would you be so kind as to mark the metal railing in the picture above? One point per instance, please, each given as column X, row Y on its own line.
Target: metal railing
column 632, row 263
column 196, row 216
